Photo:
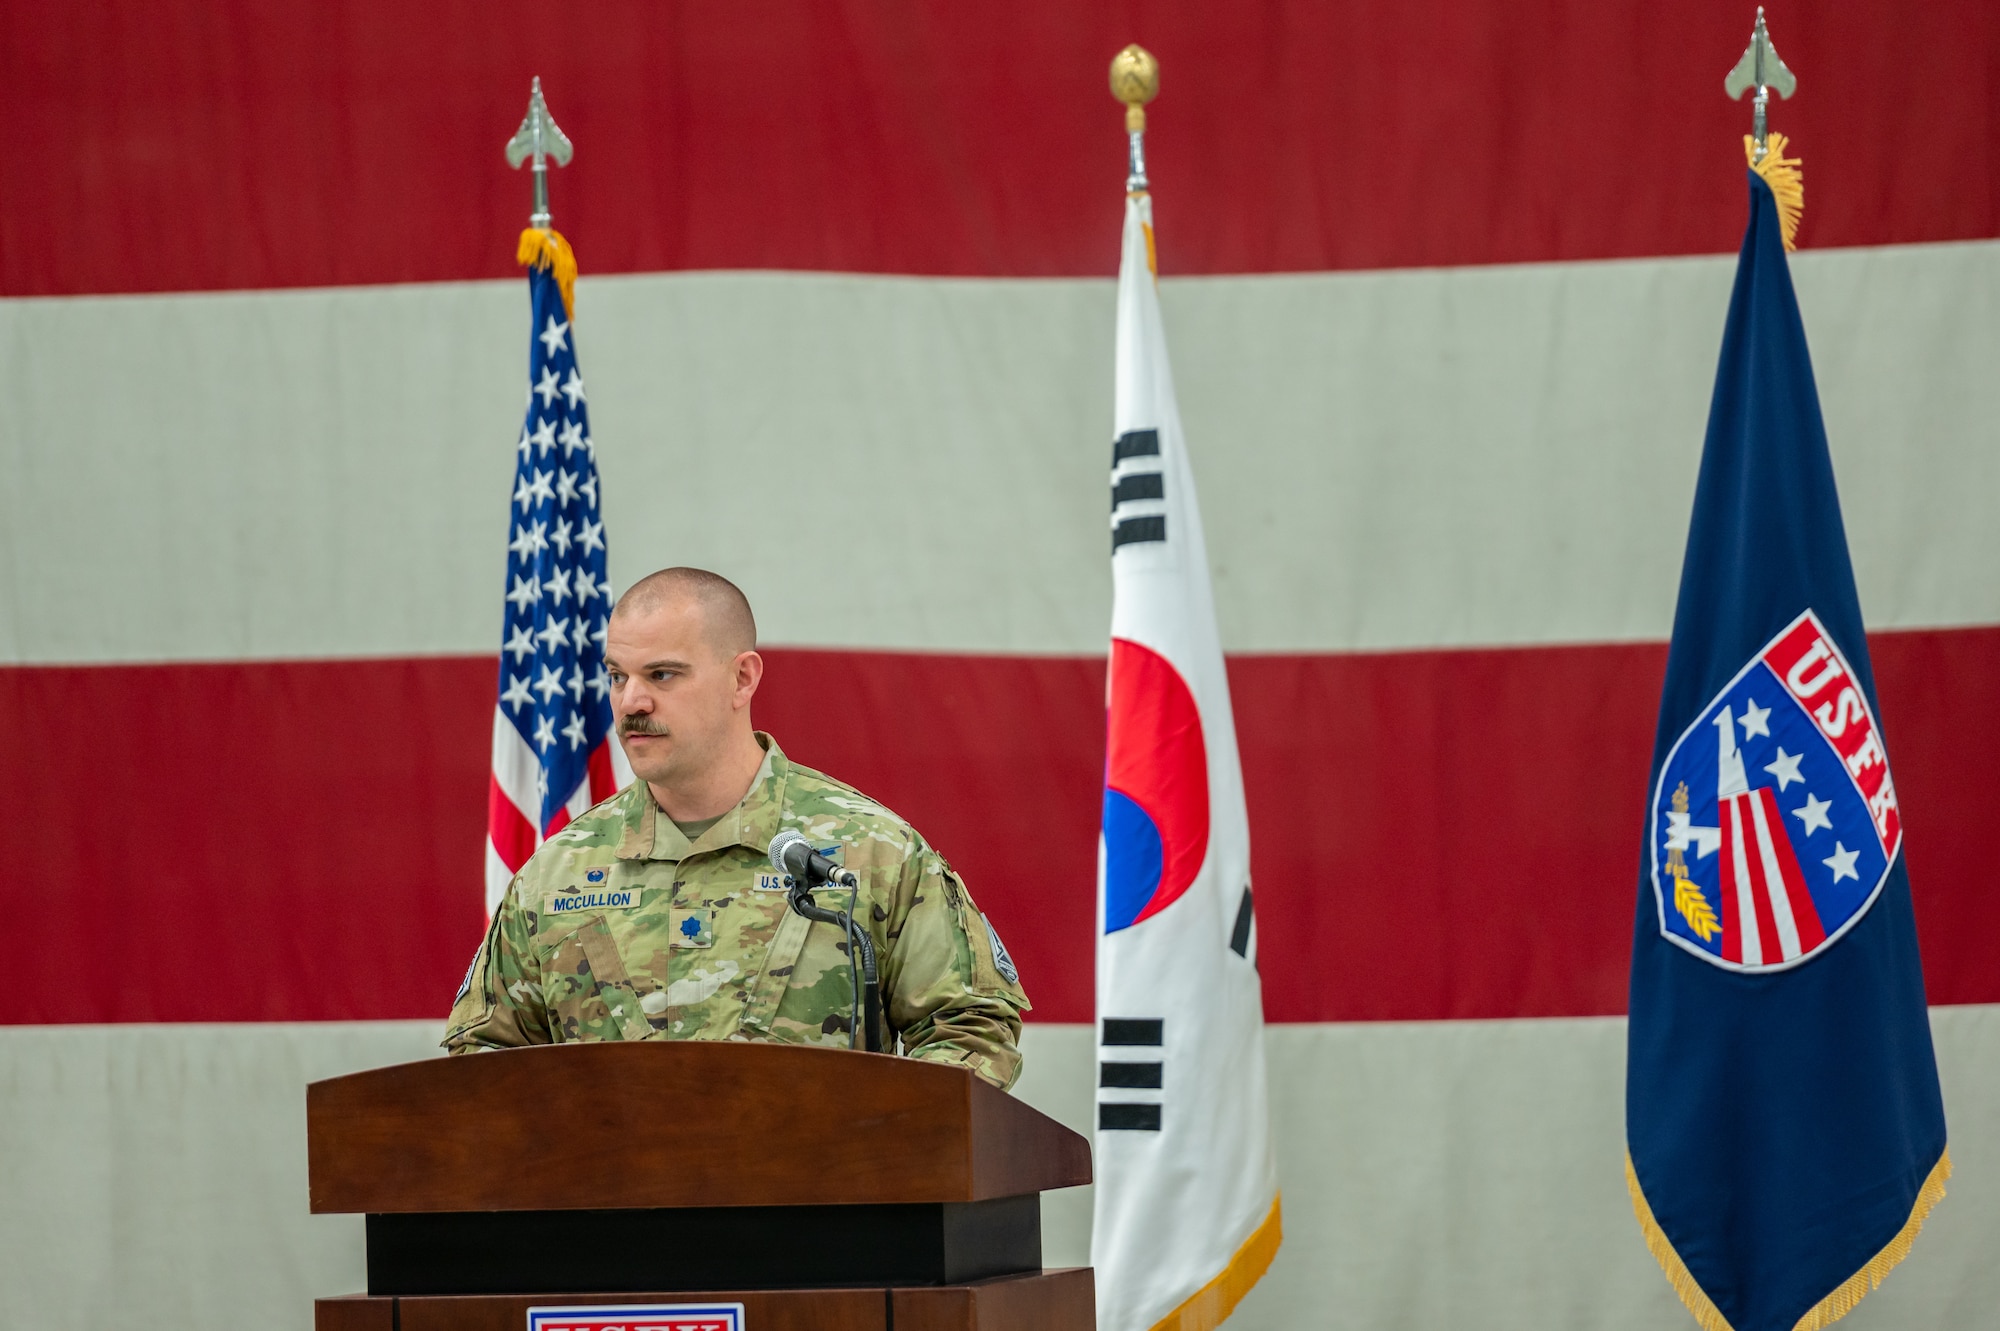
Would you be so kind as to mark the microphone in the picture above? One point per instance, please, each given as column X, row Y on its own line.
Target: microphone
column 792, row 854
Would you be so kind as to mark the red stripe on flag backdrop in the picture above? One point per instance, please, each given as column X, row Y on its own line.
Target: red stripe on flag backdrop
column 1435, row 834
column 226, row 144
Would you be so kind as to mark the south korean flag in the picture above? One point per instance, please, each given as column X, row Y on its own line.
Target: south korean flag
column 1187, row 1215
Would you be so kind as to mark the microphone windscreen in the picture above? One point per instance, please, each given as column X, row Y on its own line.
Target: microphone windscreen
column 782, row 846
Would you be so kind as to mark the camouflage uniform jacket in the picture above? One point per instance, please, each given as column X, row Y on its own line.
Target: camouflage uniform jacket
column 619, row 929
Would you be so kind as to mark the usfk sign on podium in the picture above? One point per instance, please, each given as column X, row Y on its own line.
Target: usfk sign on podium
column 817, row 1188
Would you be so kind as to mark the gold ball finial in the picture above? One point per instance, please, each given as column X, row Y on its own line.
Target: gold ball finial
column 1135, row 80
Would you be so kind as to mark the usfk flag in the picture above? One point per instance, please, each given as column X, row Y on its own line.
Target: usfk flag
column 1187, row 1193
column 1783, row 1119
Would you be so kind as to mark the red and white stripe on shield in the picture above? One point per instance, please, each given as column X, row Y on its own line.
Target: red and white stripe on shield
column 1768, row 916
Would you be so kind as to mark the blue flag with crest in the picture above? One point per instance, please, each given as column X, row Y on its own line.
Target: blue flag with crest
column 1784, row 1127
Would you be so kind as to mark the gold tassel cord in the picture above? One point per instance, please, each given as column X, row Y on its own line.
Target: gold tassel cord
column 1829, row 1309
column 1787, row 184
column 549, row 251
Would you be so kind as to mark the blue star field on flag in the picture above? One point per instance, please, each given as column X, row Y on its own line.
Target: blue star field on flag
column 553, row 687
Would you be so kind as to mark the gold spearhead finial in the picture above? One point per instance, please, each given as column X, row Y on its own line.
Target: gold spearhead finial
column 1135, row 80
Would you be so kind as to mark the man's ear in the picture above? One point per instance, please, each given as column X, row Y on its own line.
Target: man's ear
column 749, row 668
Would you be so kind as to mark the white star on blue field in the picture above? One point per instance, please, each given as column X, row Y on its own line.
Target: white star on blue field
column 553, row 687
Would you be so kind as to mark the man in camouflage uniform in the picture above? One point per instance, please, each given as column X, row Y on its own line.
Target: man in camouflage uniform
column 656, row 916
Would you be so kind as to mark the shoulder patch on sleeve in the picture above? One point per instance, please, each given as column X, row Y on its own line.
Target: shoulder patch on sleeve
column 465, row 985
column 1001, row 961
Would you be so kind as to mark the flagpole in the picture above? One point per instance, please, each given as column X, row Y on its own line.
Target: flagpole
column 1761, row 69
column 539, row 139
column 1135, row 80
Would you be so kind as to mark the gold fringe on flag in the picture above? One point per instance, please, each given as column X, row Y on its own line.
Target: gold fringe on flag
column 1209, row 1306
column 1829, row 1309
column 1781, row 173
column 1706, row 1315
column 548, row 250
column 1841, row 1302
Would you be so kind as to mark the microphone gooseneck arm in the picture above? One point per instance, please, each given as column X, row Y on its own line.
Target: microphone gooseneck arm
column 793, row 855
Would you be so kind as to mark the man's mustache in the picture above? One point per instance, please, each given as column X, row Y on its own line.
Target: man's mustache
column 641, row 725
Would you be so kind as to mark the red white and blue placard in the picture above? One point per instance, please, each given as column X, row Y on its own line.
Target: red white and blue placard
column 1775, row 819
column 639, row 1317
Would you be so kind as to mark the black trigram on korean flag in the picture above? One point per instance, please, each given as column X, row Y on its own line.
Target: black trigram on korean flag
column 1131, row 1074
column 1138, row 489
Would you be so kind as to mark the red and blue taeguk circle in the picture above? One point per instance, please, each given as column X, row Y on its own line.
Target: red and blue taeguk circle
column 1155, row 787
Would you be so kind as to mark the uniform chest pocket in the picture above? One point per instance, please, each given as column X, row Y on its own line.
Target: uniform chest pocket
column 693, row 927
column 587, row 991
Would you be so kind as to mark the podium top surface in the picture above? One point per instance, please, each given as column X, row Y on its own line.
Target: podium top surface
column 691, row 1123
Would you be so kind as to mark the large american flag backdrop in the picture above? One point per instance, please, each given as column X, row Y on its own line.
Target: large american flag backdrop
column 1445, row 292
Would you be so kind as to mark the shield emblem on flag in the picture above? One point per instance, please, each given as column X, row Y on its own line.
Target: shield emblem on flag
column 1775, row 819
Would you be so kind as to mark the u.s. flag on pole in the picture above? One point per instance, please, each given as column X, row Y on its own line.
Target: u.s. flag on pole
column 1187, row 1213
column 552, row 755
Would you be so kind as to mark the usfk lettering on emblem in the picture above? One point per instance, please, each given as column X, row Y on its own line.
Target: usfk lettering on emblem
column 568, row 901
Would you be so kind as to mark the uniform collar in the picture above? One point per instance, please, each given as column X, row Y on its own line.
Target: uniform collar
column 651, row 835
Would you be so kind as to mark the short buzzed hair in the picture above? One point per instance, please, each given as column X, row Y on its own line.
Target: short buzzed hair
column 731, row 626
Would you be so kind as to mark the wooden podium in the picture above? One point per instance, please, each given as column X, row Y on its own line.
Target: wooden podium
column 821, row 1189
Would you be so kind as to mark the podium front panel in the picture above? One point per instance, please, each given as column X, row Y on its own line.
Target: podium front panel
column 1062, row 1300
column 685, row 1248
